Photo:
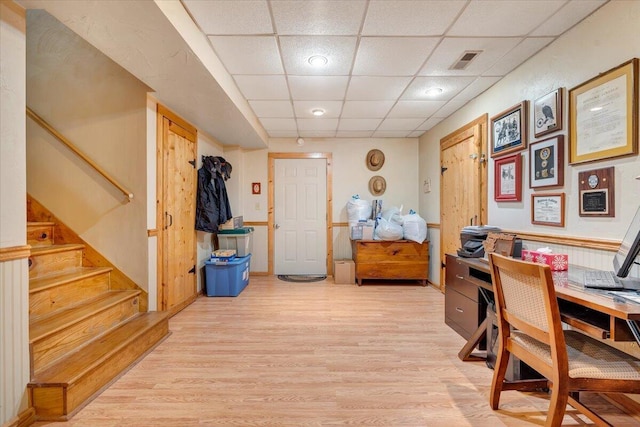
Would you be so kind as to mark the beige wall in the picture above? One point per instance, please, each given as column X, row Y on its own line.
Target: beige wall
column 14, row 273
column 102, row 109
column 606, row 39
column 350, row 176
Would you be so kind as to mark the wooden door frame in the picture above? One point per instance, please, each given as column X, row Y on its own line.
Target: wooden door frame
column 450, row 140
column 162, row 113
column 271, row 201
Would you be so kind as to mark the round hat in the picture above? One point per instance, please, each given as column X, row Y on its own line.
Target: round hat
column 377, row 185
column 375, row 159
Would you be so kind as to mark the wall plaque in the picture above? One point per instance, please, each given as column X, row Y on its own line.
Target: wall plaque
column 597, row 192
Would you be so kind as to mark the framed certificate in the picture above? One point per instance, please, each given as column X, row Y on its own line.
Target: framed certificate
column 547, row 209
column 603, row 115
column 508, row 179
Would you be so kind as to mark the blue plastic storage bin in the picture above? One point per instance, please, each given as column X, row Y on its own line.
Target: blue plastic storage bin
column 227, row 278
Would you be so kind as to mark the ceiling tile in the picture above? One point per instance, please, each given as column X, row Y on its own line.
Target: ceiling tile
column 263, row 87
column 309, row 88
column 392, row 56
column 272, row 108
column 318, row 17
column 283, row 133
column 391, row 134
column 317, row 124
column 317, row 133
column 278, row 124
column 518, row 55
column 572, row 13
column 248, row 54
column 231, row 16
column 331, row 109
column 358, row 124
column 376, row 88
column 428, row 124
column 365, row 109
column 503, row 17
column 354, row 134
column 451, row 49
column 296, row 51
column 415, row 134
column 450, row 86
column 413, row 18
column 418, row 109
column 400, row 124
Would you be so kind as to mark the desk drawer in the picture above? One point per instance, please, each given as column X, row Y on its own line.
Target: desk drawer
column 462, row 311
column 457, row 278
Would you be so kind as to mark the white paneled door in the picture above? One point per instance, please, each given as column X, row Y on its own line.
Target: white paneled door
column 300, row 214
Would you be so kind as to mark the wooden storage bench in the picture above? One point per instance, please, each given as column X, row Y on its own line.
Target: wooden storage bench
column 397, row 260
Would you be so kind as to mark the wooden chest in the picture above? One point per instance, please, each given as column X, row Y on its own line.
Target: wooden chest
column 398, row 259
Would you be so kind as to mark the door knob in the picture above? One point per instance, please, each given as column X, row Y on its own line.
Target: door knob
column 276, row 226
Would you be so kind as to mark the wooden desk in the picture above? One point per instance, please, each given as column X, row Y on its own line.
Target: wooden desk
column 591, row 311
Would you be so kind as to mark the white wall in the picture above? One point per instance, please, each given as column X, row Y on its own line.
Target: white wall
column 604, row 40
column 14, row 273
column 102, row 109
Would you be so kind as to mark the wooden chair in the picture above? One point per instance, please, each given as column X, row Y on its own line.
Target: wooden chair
column 530, row 329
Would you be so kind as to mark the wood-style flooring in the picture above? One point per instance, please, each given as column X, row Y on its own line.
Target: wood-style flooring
column 316, row 354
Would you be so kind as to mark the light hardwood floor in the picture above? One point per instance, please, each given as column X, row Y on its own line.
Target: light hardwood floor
column 315, row 354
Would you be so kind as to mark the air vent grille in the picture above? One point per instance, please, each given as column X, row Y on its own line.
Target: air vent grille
column 464, row 60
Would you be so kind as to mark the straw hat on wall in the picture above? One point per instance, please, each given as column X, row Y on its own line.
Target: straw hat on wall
column 375, row 159
column 377, row 185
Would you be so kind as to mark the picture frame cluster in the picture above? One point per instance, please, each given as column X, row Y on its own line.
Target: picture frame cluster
column 602, row 124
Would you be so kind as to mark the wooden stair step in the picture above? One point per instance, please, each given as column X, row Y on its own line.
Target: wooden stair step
column 67, row 385
column 54, row 335
column 53, row 259
column 40, row 233
column 66, row 288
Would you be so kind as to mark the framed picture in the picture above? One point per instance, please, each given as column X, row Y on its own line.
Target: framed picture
column 547, row 113
column 509, row 130
column 508, row 178
column 546, row 163
column 547, row 209
column 603, row 115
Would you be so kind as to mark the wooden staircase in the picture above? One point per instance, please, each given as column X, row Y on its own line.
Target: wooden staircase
column 83, row 333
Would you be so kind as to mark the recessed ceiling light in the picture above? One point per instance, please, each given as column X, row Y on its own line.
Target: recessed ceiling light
column 318, row 60
column 317, row 112
column 433, row 91
column 594, row 109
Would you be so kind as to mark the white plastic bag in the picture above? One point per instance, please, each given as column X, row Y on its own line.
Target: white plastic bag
column 358, row 209
column 393, row 214
column 387, row 230
column 414, row 228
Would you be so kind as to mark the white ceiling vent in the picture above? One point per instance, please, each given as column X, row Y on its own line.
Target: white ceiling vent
column 464, row 60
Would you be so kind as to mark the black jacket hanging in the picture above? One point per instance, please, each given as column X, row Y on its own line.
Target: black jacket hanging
column 212, row 205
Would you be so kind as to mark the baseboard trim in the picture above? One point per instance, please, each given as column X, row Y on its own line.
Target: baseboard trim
column 24, row 419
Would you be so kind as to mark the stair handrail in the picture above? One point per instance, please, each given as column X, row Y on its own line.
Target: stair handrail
column 36, row 118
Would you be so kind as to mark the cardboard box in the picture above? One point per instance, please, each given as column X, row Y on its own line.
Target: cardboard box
column 344, row 271
column 557, row 262
column 362, row 231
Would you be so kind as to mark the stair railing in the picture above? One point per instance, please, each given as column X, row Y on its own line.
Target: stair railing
column 36, row 118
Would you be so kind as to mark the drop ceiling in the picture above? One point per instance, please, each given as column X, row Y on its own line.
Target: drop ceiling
column 382, row 56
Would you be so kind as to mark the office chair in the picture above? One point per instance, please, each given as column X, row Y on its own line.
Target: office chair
column 530, row 329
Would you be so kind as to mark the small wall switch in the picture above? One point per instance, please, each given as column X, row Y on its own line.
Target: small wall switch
column 257, row 206
column 426, row 187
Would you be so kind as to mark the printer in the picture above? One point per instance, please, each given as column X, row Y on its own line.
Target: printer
column 472, row 237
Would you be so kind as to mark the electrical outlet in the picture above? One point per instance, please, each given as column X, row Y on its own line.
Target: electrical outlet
column 257, row 206
column 426, row 187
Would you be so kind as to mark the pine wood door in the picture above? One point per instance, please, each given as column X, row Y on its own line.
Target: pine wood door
column 463, row 199
column 177, row 198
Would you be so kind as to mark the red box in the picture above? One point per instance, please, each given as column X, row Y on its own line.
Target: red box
column 557, row 262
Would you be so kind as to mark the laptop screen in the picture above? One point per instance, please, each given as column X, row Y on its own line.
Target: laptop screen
column 627, row 254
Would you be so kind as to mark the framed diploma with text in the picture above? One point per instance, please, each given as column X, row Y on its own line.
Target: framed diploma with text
column 547, row 209
column 596, row 188
column 603, row 115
